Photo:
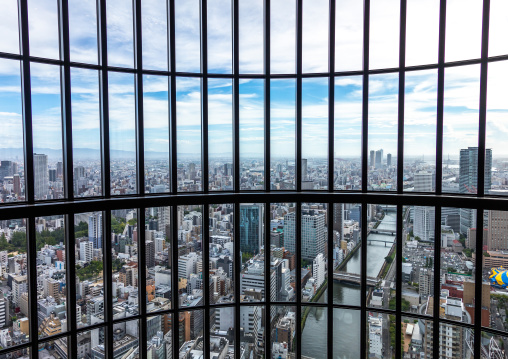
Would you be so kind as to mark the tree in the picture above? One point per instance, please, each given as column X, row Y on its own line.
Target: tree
column 388, row 259
column 81, row 230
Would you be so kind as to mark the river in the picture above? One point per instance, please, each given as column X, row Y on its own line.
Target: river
column 346, row 341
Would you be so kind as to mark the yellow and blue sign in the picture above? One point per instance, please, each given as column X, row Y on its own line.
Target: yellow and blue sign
column 499, row 277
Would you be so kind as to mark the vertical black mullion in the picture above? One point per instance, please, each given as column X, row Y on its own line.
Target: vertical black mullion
column 104, row 97
column 331, row 172
column 108, row 279
column 402, row 79
column 32, row 282
column 142, row 279
column 331, row 98
column 437, row 283
column 205, row 240
column 65, row 88
column 298, row 279
column 299, row 32
column 268, row 294
column 138, row 82
column 70, row 244
column 26, row 102
column 267, row 42
column 237, row 263
column 204, row 98
column 440, row 98
column 172, row 98
column 363, row 285
column 483, row 99
column 365, row 95
column 174, row 272
column 478, row 279
column 398, row 279
column 236, row 97
column 330, row 268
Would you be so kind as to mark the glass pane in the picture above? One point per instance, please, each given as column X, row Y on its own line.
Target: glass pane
column 220, row 135
column 348, row 133
column 159, row 336
column 381, row 256
column 455, row 340
column 89, row 268
column 83, row 31
column 496, row 154
column 347, row 267
column 384, row 34
column 156, row 127
column 498, row 23
column 463, row 29
column 120, row 33
column 124, row 259
column 314, row 258
column 252, row 127
column 494, row 344
column 221, row 253
column 14, row 299
column 190, row 335
column 222, row 332
column 381, row 335
column 315, row 31
column 52, row 292
column 252, row 254
column 220, row 38
column 314, row 332
column 252, row 343
column 122, row 133
column 190, row 256
column 282, row 260
column 158, row 243
column 456, row 267
column 283, row 36
column 43, row 28
column 348, row 35
column 91, row 343
column 282, row 134
column 86, row 133
column 12, row 167
column 383, row 114
column 9, row 27
column 346, row 331
column 54, row 347
column 47, row 131
column 420, row 131
column 315, row 134
column 250, row 23
column 125, row 338
column 422, row 32
column 154, row 18
column 414, row 337
column 187, row 38
column 188, row 119
column 283, row 339
column 460, row 132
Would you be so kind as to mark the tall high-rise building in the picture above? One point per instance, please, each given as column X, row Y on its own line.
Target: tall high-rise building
column 41, row 176
column 372, row 158
column 85, row 251
column 150, row 253
column 424, row 217
column 388, row 160
column 59, row 169
column 52, row 175
column 312, row 236
column 305, row 175
column 6, row 169
column 497, row 236
column 16, row 180
column 95, row 230
column 251, row 228
column 468, row 179
column 379, row 158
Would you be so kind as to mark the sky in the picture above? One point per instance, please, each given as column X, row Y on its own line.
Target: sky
column 461, row 99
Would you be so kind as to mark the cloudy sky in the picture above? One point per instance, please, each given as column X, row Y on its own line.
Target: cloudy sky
column 462, row 84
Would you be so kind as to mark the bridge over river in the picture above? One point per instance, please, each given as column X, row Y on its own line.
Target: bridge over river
column 354, row 278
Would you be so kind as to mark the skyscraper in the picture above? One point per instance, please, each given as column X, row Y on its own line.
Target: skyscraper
column 379, row 158
column 388, row 160
column 304, row 170
column 41, row 176
column 468, row 179
column 424, row 217
column 312, row 236
column 372, row 158
column 497, row 236
column 95, row 230
column 251, row 228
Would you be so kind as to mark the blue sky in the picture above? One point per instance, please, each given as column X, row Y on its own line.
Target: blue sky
column 461, row 83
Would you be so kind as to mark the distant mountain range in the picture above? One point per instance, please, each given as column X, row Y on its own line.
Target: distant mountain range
column 80, row 154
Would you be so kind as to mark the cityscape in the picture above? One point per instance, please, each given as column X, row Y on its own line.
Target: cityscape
column 455, row 275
